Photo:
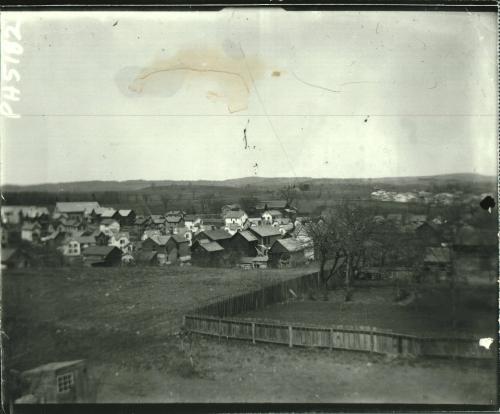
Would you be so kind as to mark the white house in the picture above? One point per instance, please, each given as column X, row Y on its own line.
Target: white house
column 270, row 216
column 122, row 241
column 238, row 217
column 191, row 222
column 109, row 226
column 31, row 231
column 255, row 221
column 76, row 244
column 151, row 233
column 13, row 214
column 71, row 248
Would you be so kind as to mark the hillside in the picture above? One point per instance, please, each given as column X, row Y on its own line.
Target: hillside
column 313, row 194
column 135, row 185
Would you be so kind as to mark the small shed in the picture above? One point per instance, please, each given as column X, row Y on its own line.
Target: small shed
column 257, row 262
column 287, row 253
column 156, row 243
column 437, row 262
column 102, row 256
column 14, row 258
column 59, row 382
column 430, row 232
column 146, row 258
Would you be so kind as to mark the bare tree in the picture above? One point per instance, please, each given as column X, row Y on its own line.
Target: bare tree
column 165, row 200
column 341, row 238
column 288, row 193
column 327, row 249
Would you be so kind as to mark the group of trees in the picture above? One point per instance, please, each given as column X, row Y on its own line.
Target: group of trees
column 348, row 238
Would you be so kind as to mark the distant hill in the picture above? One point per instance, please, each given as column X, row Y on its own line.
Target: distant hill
column 271, row 182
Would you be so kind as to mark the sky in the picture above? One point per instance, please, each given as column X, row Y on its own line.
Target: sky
column 249, row 92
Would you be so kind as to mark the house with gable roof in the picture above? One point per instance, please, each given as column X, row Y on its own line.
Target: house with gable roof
column 155, row 242
column 220, row 236
column 75, row 209
column 288, row 252
column 271, row 216
column 244, row 243
column 126, row 217
column 177, row 246
column 475, row 254
column 266, row 235
column 207, row 253
column 109, row 226
column 31, row 231
column 238, row 217
column 122, row 241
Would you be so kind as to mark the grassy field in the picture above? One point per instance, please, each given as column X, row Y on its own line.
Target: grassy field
column 428, row 314
column 113, row 314
column 123, row 322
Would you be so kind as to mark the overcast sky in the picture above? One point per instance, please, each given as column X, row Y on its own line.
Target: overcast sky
column 322, row 94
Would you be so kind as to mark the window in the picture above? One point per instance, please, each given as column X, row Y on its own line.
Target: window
column 65, row 382
column 73, row 248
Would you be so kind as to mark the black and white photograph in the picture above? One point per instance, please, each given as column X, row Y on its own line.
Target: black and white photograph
column 249, row 205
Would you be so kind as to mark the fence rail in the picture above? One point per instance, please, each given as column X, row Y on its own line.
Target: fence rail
column 260, row 298
column 212, row 319
column 365, row 339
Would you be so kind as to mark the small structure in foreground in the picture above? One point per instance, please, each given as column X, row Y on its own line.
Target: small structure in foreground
column 58, row 382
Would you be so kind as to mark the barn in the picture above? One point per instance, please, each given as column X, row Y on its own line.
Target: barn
column 287, row 253
column 177, row 246
column 207, row 253
column 244, row 243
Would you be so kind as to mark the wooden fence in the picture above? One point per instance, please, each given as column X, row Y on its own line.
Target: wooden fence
column 258, row 299
column 364, row 339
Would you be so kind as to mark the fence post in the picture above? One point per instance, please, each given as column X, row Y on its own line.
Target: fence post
column 253, row 333
column 184, row 320
column 372, row 345
column 290, row 336
column 331, row 339
column 220, row 329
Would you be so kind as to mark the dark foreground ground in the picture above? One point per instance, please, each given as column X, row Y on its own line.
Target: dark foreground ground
column 111, row 314
column 123, row 322
column 242, row 372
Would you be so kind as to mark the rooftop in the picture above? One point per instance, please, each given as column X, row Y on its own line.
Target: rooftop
column 77, row 206
column 290, row 244
column 53, row 366
column 271, row 204
column 211, row 246
column 217, row 234
column 234, row 214
column 247, row 235
column 266, row 231
column 98, row 250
